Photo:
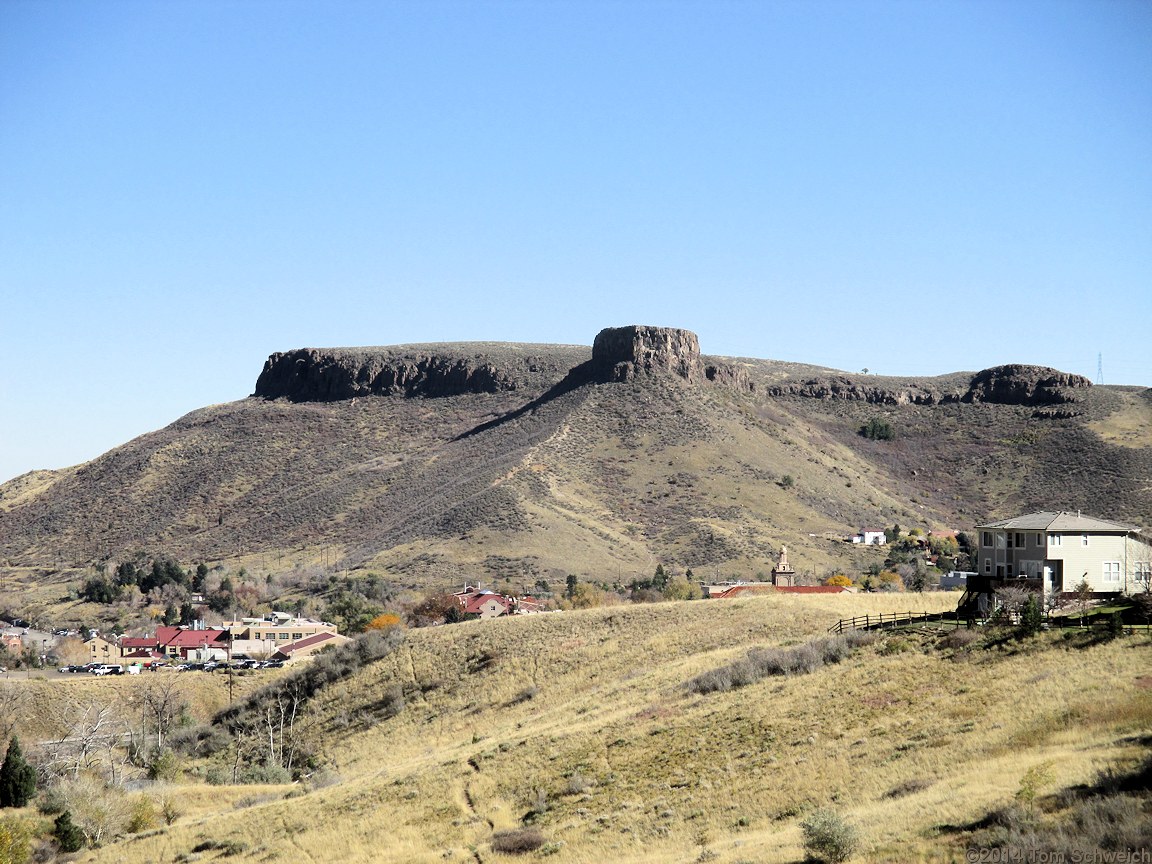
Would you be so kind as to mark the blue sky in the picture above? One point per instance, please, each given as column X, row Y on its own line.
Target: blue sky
column 912, row 187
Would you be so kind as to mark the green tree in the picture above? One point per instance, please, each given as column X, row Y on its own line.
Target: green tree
column 877, row 430
column 1031, row 617
column 660, row 579
column 1083, row 595
column 17, row 777
column 1115, row 625
column 200, row 577
column 892, row 534
column 68, row 836
column 1033, row 780
column 681, row 589
column 351, row 611
column 570, row 584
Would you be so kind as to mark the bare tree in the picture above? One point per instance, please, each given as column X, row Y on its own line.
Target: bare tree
column 95, row 740
column 1012, row 599
column 13, row 708
column 162, row 701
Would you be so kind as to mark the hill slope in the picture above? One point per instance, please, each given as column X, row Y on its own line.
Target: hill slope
column 580, row 726
column 530, row 461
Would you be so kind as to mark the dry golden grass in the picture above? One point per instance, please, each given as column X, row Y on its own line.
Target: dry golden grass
column 1130, row 426
column 584, row 717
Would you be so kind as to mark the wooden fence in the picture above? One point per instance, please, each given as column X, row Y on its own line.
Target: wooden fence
column 892, row 620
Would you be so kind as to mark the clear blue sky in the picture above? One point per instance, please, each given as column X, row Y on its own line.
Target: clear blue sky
column 912, row 187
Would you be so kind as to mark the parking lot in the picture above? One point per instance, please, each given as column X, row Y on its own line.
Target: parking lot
column 105, row 669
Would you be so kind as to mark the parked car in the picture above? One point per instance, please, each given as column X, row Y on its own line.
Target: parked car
column 108, row 669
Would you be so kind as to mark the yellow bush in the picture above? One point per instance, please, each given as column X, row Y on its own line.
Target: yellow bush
column 386, row 621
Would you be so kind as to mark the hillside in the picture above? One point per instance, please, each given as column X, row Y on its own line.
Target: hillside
column 580, row 726
column 437, row 463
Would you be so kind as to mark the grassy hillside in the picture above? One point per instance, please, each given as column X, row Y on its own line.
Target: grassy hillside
column 579, row 725
column 602, row 479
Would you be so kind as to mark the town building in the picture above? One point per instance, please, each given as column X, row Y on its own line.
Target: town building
column 262, row 637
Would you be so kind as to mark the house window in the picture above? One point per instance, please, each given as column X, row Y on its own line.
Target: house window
column 296, row 636
column 1001, row 540
column 1083, row 539
column 1020, row 541
column 987, row 565
column 1112, row 571
column 283, row 637
column 1143, row 571
column 986, row 539
column 1039, row 539
column 1053, row 539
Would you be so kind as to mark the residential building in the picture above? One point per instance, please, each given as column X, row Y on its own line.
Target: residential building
column 1063, row 550
column 486, row 604
column 870, row 538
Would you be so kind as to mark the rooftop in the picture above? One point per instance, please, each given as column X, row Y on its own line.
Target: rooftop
column 1058, row 521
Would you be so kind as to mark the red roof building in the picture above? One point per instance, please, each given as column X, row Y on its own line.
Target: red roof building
column 181, row 641
column 487, row 604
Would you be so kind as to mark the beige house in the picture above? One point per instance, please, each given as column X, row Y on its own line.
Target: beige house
column 1056, row 552
column 101, row 650
column 262, row 637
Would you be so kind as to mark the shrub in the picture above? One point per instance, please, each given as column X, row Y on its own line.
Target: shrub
column 1115, row 625
column 165, row 765
column 761, row 663
column 958, row 639
column 51, row 801
column 199, row 741
column 386, row 621
column 877, row 430
column 1031, row 617
column 827, row 837
column 518, row 841
column 908, row 787
column 15, row 840
column 141, row 815
column 68, row 836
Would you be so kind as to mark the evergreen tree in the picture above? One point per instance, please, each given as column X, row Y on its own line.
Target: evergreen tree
column 200, row 577
column 1031, row 617
column 17, row 778
column 660, row 580
column 69, row 837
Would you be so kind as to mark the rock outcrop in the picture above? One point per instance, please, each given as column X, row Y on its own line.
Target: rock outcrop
column 1001, row 385
column 1018, row 384
column 848, row 389
column 328, row 375
column 626, row 353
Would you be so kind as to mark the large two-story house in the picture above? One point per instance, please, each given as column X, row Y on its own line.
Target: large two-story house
column 1055, row 553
